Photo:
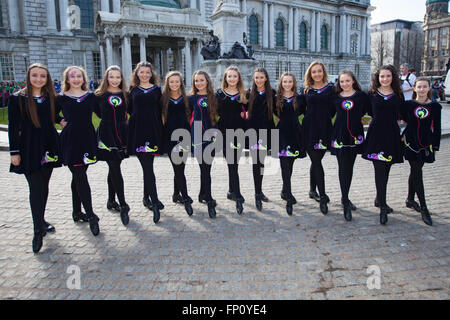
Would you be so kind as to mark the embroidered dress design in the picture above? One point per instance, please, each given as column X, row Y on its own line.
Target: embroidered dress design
column 347, row 105
column 421, row 112
column 288, row 153
column 147, row 90
column 259, row 146
column 115, row 101
column 177, row 101
column 47, row 158
column 146, row 148
column 233, row 146
column 103, row 146
column 379, row 156
column 86, row 159
column 82, row 98
column 40, row 99
column 320, row 146
column 319, row 91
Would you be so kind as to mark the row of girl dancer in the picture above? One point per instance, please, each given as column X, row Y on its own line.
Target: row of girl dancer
column 155, row 114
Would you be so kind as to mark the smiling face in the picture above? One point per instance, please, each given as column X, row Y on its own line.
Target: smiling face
column 38, row 78
column 287, row 84
column 385, row 78
column 346, row 82
column 317, row 74
column 422, row 88
column 174, row 83
column 114, row 79
column 200, row 82
column 232, row 78
column 260, row 80
column 144, row 74
column 75, row 78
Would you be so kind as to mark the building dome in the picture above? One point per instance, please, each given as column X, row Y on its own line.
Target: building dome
column 433, row 1
column 162, row 3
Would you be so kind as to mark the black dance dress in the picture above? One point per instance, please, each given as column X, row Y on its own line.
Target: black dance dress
column 37, row 147
column 145, row 124
column 290, row 131
column 422, row 134
column 383, row 142
column 259, row 120
column 78, row 138
column 317, row 125
column 176, row 119
column 348, row 131
column 199, row 112
column 113, row 129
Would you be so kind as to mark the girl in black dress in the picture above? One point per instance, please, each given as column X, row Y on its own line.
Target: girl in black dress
column 421, row 139
column 78, row 140
column 261, row 102
column 203, row 105
column 347, row 139
column 288, row 109
column 145, row 138
column 232, row 100
column 112, row 135
column 176, row 114
column 383, row 142
column 34, row 142
column 317, row 97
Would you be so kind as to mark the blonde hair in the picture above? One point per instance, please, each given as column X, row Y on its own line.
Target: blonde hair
column 66, row 85
column 240, row 85
column 280, row 90
column 307, row 84
column 103, row 87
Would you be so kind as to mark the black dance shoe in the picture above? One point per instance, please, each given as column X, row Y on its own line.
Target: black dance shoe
column 289, row 208
column 147, row 203
column 239, row 206
column 77, row 216
column 177, row 198
column 187, row 205
column 201, row 198
column 258, row 204
column 383, row 215
column 212, row 208
column 347, row 212
column 426, row 216
column 113, row 205
column 231, row 196
column 37, row 242
column 284, row 195
column 377, row 204
column 412, row 204
column 314, row 195
column 352, row 206
column 124, row 214
column 323, row 204
column 160, row 205
column 263, row 197
column 48, row 227
column 93, row 225
column 156, row 214
column 288, row 197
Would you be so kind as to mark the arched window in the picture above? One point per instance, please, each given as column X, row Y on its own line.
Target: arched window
column 354, row 44
column 87, row 13
column 323, row 38
column 279, row 33
column 303, row 36
column 254, row 29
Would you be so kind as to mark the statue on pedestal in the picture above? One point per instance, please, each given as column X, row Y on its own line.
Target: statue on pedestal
column 212, row 50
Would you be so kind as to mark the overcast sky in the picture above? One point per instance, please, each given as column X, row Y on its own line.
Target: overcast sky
column 386, row 10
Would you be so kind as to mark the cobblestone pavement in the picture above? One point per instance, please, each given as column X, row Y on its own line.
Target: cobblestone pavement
column 259, row 255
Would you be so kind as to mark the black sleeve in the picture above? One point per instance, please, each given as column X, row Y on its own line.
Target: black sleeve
column 97, row 108
column 301, row 100
column 58, row 109
column 437, row 126
column 130, row 102
column 370, row 108
column 15, row 119
column 331, row 107
column 403, row 110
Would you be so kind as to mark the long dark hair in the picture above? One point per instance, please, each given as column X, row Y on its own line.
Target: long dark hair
column 166, row 96
column 154, row 79
column 47, row 90
column 395, row 85
column 211, row 96
column 267, row 89
column 356, row 85
column 280, row 92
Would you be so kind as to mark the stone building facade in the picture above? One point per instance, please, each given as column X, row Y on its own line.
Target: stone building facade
column 436, row 50
column 396, row 42
column 286, row 35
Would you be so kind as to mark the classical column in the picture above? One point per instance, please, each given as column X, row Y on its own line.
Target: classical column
column 126, row 56
column 271, row 27
column 343, row 36
column 265, row 35
column 349, row 25
column 105, row 5
column 14, row 18
column 109, row 52
column 64, row 15
column 244, row 10
column 296, row 26
column 198, row 56
column 165, row 62
column 291, row 29
column 102, row 58
column 193, row 4
column 142, row 48
column 51, row 15
column 333, row 34
column 313, row 31
column 368, row 36
column 203, row 10
column 116, row 6
column 188, row 57
column 318, row 33
column 363, row 36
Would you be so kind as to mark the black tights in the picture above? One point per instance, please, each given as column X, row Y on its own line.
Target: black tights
column 149, row 176
column 81, row 191
column 115, row 182
column 415, row 182
column 381, row 180
column 233, row 172
column 205, row 180
column 316, row 173
column 179, row 179
column 38, row 185
column 258, row 173
column 287, row 165
column 346, row 161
